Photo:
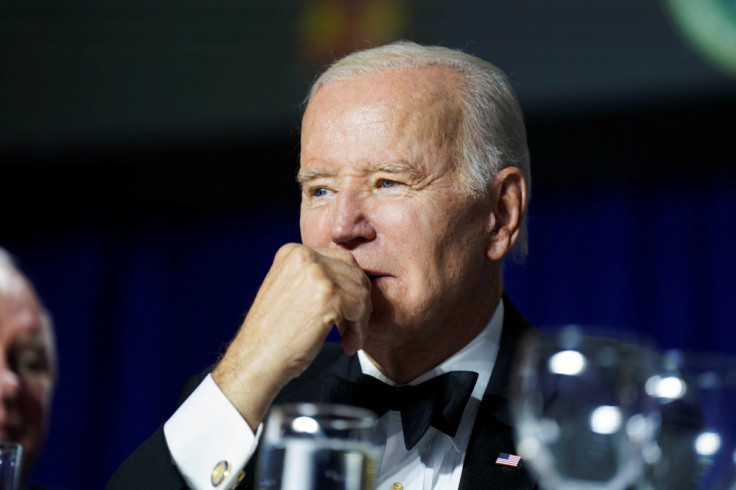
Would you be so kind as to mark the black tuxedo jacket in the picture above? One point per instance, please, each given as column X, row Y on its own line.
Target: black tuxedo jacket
column 151, row 467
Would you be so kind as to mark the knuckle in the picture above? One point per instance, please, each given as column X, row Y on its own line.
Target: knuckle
column 286, row 250
column 303, row 255
column 296, row 255
column 332, row 317
column 314, row 272
column 323, row 289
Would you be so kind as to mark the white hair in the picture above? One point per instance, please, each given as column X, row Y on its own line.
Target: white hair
column 492, row 135
column 13, row 281
column 9, row 276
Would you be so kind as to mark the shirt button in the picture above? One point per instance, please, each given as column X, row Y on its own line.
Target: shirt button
column 220, row 472
column 397, row 486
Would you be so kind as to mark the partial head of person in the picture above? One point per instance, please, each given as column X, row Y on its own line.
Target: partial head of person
column 414, row 159
column 27, row 362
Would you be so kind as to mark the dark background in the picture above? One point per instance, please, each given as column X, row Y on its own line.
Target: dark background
column 148, row 153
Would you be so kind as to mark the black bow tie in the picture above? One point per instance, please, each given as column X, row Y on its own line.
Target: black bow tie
column 438, row 402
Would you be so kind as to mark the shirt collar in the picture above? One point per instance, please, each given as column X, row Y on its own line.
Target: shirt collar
column 479, row 356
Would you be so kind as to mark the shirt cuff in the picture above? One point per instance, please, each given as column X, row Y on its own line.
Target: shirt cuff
column 209, row 440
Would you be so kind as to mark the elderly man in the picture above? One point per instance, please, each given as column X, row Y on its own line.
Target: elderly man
column 415, row 179
column 27, row 363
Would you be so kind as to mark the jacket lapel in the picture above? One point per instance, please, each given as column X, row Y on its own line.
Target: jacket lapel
column 493, row 432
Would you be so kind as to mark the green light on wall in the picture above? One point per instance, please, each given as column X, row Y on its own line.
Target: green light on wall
column 710, row 26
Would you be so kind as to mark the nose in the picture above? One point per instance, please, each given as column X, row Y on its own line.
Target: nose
column 350, row 224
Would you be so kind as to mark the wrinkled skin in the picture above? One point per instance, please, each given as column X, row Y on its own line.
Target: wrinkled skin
column 395, row 250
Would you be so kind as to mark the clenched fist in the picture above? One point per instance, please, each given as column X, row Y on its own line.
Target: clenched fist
column 305, row 292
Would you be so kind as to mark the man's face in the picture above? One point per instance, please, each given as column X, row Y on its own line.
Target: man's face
column 378, row 179
column 26, row 369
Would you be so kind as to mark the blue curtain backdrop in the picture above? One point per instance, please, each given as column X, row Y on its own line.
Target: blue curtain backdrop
column 139, row 307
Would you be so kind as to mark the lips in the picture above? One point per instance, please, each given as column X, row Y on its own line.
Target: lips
column 373, row 275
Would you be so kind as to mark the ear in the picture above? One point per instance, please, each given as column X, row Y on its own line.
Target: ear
column 508, row 205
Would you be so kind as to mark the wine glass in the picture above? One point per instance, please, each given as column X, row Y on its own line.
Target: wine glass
column 583, row 417
column 697, row 441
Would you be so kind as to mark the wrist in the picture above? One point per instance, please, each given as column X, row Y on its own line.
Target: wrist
column 250, row 390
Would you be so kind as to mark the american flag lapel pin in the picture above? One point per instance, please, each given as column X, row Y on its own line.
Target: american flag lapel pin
column 507, row 459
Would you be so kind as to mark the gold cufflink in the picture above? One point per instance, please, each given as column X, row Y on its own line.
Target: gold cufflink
column 220, row 472
column 397, row 486
column 241, row 475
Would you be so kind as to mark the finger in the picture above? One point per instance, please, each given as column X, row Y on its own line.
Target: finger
column 348, row 275
column 353, row 337
column 340, row 266
column 336, row 253
column 353, row 326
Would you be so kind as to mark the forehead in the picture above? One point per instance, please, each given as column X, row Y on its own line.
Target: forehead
column 21, row 316
column 408, row 109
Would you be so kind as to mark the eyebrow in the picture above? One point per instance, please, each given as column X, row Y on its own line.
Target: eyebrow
column 395, row 168
column 392, row 168
column 305, row 176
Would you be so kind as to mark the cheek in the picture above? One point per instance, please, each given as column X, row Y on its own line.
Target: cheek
column 413, row 236
column 392, row 217
column 315, row 228
column 35, row 401
column 424, row 225
column 37, row 394
column 407, row 234
column 451, row 238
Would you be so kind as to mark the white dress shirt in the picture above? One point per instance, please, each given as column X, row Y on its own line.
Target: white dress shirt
column 207, row 429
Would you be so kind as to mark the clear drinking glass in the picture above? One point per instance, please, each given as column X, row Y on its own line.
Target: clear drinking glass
column 309, row 446
column 11, row 457
column 583, row 418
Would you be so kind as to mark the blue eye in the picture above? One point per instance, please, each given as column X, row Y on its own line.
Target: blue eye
column 319, row 192
column 387, row 184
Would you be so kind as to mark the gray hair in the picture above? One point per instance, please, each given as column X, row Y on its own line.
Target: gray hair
column 9, row 273
column 492, row 135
